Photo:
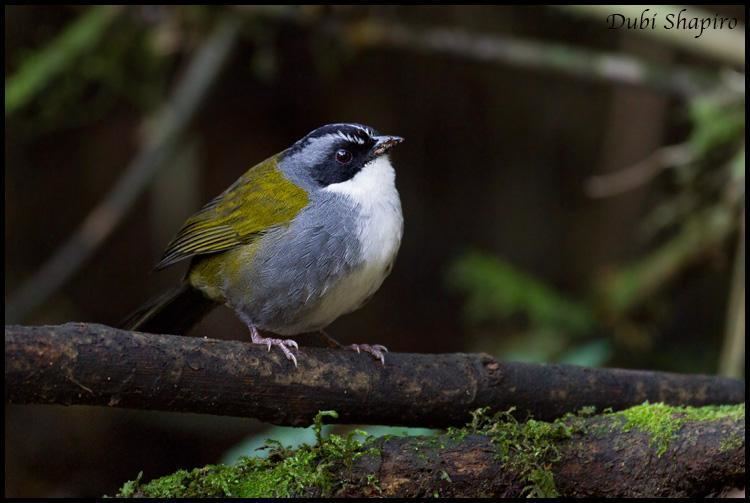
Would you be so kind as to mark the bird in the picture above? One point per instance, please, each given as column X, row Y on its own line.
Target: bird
column 299, row 240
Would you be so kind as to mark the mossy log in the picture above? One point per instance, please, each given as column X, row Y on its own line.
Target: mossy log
column 647, row 451
column 611, row 463
column 90, row 364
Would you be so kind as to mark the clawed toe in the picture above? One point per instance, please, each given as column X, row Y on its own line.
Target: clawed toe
column 290, row 356
column 283, row 344
column 375, row 350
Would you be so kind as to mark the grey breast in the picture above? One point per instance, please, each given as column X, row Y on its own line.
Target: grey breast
column 295, row 265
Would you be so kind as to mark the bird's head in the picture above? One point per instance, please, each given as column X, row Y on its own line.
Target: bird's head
column 337, row 153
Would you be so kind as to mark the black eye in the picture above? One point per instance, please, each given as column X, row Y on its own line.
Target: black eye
column 343, row 156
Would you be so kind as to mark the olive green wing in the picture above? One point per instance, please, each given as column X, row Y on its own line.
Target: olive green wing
column 261, row 199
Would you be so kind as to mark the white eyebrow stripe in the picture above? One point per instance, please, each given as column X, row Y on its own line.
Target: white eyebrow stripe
column 349, row 138
column 367, row 130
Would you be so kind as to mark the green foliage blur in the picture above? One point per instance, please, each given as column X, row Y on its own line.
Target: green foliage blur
column 708, row 177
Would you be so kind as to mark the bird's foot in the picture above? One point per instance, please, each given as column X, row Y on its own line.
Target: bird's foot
column 283, row 344
column 375, row 350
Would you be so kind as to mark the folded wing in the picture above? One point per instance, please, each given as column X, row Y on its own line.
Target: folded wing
column 260, row 200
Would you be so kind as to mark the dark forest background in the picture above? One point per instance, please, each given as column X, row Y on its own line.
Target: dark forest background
column 571, row 193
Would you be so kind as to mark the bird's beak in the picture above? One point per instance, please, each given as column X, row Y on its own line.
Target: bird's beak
column 384, row 143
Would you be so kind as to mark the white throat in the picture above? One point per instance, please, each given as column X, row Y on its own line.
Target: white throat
column 374, row 192
column 374, row 183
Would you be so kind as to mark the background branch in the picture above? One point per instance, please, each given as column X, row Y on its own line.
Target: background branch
column 544, row 56
column 161, row 137
column 732, row 360
column 617, row 68
column 90, row 364
column 627, row 287
column 617, row 182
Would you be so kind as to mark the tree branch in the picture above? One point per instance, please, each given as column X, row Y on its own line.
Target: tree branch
column 89, row 364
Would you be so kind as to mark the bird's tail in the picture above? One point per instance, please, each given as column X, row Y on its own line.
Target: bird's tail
column 173, row 312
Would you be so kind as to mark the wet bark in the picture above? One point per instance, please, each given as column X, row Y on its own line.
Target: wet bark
column 91, row 364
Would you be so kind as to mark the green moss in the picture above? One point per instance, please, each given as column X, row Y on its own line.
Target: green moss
column 372, row 481
column 456, row 434
column 731, row 443
column 129, row 488
column 306, row 471
column 249, row 478
column 663, row 421
column 528, row 448
column 713, row 412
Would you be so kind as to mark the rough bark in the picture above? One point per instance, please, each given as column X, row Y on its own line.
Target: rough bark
column 90, row 364
column 608, row 462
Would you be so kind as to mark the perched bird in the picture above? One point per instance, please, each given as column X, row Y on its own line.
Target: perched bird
column 300, row 239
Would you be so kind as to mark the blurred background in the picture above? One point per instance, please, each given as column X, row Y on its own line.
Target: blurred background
column 571, row 193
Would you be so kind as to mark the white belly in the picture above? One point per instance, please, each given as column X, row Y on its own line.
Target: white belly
column 379, row 233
